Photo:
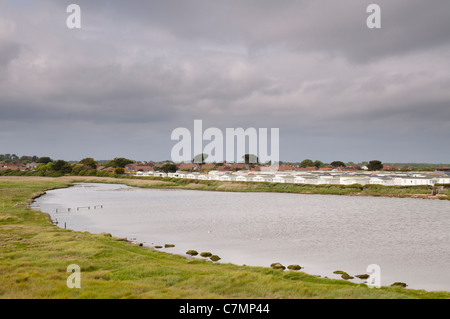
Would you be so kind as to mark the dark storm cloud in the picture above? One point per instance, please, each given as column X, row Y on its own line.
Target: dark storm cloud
column 337, row 27
column 143, row 68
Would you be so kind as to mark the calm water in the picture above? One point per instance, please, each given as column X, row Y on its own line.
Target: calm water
column 408, row 238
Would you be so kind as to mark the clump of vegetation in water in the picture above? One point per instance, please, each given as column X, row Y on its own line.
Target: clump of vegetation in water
column 158, row 247
column 346, row 276
column 169, row 245
column 277, row 266
column 343, row 274
column 206, row 254
column 294, row 267
column 214, row 258
column 364, row 276
column 192, row 252
column 399, row 284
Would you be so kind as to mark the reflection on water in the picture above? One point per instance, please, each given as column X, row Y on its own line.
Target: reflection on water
column 408, row 238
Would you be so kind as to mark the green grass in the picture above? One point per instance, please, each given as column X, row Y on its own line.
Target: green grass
column 34, row 255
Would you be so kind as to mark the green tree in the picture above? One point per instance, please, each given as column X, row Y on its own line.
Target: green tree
column 76, row 169
column 119, row 162
column 168, row 168
column 375, row 165
column 44, row 160
column 25, row 158
column 42, row 167
column 306, row 163
column 337, row 164
column 318, row 164
column 89, row 162
column 62, row 166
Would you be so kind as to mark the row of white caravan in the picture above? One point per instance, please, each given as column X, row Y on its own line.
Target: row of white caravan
column 310, row 179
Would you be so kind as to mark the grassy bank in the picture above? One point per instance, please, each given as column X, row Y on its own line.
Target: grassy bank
column 34, row 255
column 211, row 185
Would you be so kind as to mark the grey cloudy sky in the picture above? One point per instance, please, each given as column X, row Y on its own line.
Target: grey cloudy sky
column 137, row 70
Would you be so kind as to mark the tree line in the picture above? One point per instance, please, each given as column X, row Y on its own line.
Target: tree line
column 55, row 168
column 88, row 166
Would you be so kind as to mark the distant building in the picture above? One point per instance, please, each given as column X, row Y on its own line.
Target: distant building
column 134, row 168
column 189, row 166
column 31, row 166
column 287, row 168
column 208, row 166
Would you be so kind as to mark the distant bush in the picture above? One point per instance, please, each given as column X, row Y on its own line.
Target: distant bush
column 10, row 172
column 119, row 170
column 53, row 174
column 102, row 173
column 373, row 186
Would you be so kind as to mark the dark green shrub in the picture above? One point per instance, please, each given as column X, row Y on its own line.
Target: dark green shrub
column 294, row 267
column 215, row 258
column 277, row 266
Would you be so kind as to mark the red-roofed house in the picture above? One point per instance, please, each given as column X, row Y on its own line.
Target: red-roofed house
column 223, row 168
column 287, row 168
column 144, row 168
column 189, row 166
column 208, row 166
